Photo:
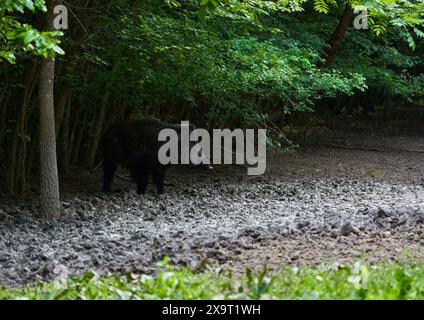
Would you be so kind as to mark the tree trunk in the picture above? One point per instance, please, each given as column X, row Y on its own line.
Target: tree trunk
column 31, row 158
column 99, row 121
column 49, row 180
column 73, row 127
column 69, row 65
column 65, row 149
column 3, row 105
column 17, row 152
column 92, row 150
column 78, row 139
column 337, row 37
column 61, row 106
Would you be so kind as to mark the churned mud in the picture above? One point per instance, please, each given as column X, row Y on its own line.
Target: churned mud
column 311, row 207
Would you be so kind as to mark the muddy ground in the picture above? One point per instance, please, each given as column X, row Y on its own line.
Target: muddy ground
column 311, row 207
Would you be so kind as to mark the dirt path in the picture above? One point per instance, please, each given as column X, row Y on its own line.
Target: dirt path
column 312, row 207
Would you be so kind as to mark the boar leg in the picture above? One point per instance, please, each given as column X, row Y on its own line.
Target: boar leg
column 159, row 180
column 141, row 178
column 142, row 183
column 109, row 168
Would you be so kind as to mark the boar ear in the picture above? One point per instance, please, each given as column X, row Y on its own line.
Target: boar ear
column 177, row 128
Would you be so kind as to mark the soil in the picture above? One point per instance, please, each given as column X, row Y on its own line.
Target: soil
column 320, row 204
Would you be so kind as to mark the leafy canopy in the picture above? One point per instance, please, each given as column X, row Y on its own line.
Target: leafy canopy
column 407, row 15
column 19, row 37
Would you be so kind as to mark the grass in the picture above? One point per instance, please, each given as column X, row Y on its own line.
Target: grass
column 374, row 172
column 386, row 280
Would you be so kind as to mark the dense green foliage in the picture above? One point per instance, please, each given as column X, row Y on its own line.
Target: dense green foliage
column 222, row 70
column 359, row 281
column 404, row 15
column 244, row 64
column 17, row 37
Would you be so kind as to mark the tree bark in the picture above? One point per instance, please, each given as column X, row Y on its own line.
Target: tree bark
column 62, row 100
column 91, row 156
column 64, row 147
column 99, row 120
column 3, row 105
column 78, row 139
column 337, row 37
column 17, row 151
column 49, row 180
column 69, row 65
column 32, row 158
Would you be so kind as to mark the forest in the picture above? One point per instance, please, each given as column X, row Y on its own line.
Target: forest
column 337, row 84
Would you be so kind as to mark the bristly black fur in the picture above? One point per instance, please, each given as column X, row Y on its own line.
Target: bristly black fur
column 134, row 145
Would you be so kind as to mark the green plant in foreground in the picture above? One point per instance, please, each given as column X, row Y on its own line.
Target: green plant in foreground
column 374, row 172
column 385, row 280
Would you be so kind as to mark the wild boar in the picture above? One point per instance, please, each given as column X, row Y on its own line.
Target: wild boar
column 134, row 145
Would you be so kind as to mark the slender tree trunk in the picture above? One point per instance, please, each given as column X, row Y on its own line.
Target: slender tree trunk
column 74, row 125
column 99, row 121
column 79, row 118
column 31, row 158
column 92, row 151
column 77, row 148
column 17, row 152
column 65, row 150
column 49, row 180
column 61, row 106
column 337, row 37
column 3, row 105
column 69, row 65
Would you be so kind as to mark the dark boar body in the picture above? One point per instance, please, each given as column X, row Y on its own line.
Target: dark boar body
column 134, row 145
